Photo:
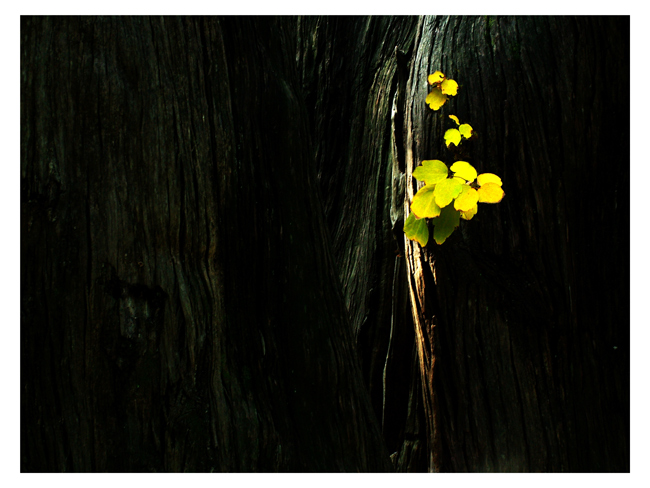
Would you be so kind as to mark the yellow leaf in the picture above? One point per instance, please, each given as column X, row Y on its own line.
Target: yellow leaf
column 466, row 130
column 488, row 178
column 470, row 213
column 431, row 171
column 490, row 193
column 455, row 119
column 424, row 204
column 436, row 77
column 436, row 99
column 464, row 170
column 449, row 87
column 452, row 136
column 446, row 191
column 467, row 199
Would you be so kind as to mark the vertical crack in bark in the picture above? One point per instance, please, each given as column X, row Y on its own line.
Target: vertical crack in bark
column 389, row 349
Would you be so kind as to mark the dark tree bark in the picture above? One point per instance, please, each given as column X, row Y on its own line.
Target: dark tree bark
column 214, row 274
column 180, row 309
column 510, row 294
column 357, row 132
column 522, row 316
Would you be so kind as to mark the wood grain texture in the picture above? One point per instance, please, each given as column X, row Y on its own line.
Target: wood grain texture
column 180, row 307
column 522, row 320
column 354, row 77
column 214, row 275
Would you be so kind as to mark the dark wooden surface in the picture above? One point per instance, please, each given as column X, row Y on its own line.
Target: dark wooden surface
column 522, row 316
column 353, row 94
column 180, row 309
column 213, row 271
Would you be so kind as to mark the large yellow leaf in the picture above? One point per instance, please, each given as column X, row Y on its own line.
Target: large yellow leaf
column 488, row 178
column 490, row 193
column 446, row 191
column 431, row 171
column 424, row 204
column 467, row 199
column 435, row 98
column 464, row 170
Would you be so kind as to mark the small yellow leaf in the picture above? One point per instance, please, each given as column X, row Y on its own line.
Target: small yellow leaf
column 449, row 87
column 488, row 178
column 490, row 193
column 436, row 77
column 467, row 199
column 466, row 130
column 452, row 136
column 470, row 213
column 455, row 119
column 435, row 99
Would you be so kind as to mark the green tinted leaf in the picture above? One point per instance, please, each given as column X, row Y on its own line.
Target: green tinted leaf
column 490, row 193
column 466, row 130
column 464, row 170
column 446, row 191
column 467, row 199
column 445, row 224
column 416, row 229
column 452, row 136
column 436, row 99
column 424, row 204
column 431, row 171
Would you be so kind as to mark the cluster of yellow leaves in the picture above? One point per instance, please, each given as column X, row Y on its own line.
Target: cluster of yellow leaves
column 460, row 183
column 453, row 136
column 442, row 88
column 440, row 190
column 464, row 187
